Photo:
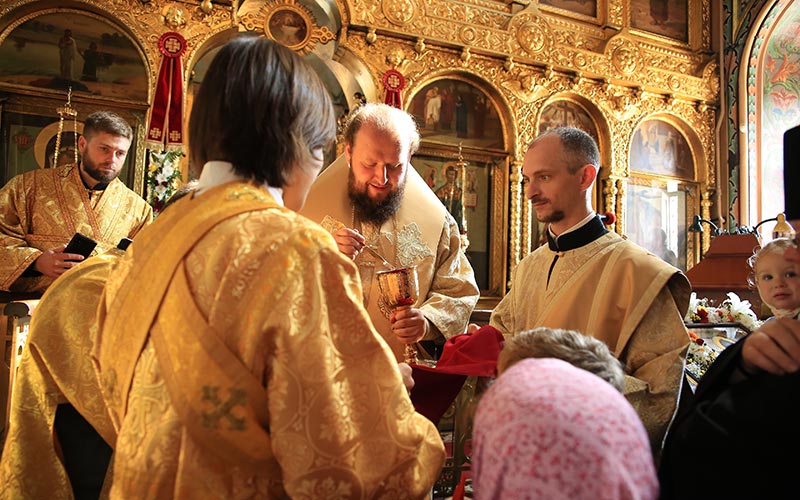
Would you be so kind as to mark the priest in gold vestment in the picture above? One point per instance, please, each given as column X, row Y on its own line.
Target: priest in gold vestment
column 373, row 197
column 234, row 353
column 591, row 280
column 42, row 209
column 56, row 369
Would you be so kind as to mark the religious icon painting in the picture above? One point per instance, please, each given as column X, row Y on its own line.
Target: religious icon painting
column 467, row 196
column 452, row 111
column 659, row 148
column 669, row 18
column 289, row 23
column 287, row 26
column 657, row 218
column 587, row 8
column 73, row 49
column 44, row 150
column 568, row 113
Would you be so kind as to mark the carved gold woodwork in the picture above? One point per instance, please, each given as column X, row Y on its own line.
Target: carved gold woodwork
column 621, row 206
column 705, row 213
column 615, row 12
column 553, row 40
column 498, row 244
column 517, row 214
column 172, row 16
column 530, row 227
column 302, row 39
column 612, row 202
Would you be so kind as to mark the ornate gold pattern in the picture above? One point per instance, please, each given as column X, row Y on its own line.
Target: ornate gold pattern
column 270, row 19
column 528, row 32
column 610, row 196
column 517, row 200
column 172, row 17
column 530, row 87
column 615, row 12
column 498, row 238
column 400, row 12
column 705, row 212
column 465, row 56
column 532, row 33
column 625, row 55
column 621, row 207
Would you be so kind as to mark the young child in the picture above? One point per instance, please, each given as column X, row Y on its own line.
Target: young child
column 777, row 279
column 746, row 407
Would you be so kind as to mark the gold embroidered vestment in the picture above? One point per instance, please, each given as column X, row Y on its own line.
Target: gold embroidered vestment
column 259, row 374
column 422, row 233
column 42, row 209
column 619, row 293
column 56, row 368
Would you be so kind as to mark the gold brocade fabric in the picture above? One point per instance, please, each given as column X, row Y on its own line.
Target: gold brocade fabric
column 422, row 233
column 55, row 368
column 617, row 292
column 261, row 375
column 42, row 209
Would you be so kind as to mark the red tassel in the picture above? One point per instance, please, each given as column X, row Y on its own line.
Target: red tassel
column 166, row 113
column 394, row 82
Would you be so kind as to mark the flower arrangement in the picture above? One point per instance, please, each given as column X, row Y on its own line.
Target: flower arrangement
column 163, row 177
column 699, row 357
column 731, row 310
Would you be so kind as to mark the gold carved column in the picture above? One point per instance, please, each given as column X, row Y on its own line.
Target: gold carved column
column 518, row 232
column 705, row 210
column 610, row 201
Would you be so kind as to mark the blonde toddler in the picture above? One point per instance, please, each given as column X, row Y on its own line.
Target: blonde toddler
column 777, row 279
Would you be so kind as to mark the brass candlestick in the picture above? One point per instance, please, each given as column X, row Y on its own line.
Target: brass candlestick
column 66, row 111
column 400, row 287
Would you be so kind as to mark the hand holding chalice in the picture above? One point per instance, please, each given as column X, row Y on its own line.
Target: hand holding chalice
column 400, row 288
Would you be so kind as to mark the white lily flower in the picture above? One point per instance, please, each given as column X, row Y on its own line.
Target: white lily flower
column 160, row 191
column 694, row 302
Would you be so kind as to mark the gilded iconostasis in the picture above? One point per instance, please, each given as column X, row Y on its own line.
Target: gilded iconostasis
column 482, row 78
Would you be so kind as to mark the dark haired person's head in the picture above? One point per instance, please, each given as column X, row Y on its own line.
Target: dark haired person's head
column 103, row 146
column 107, row 122
column 263, row 109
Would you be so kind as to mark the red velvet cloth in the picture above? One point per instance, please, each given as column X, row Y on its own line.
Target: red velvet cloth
column 463, row 355
column 166, row 113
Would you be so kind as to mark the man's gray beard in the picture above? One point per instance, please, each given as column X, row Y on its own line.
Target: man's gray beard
column 368, row 210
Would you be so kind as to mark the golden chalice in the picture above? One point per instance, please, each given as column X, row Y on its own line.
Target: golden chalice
column 400, row 287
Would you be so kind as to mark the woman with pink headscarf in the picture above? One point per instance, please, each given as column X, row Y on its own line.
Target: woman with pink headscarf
column 549, row 430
